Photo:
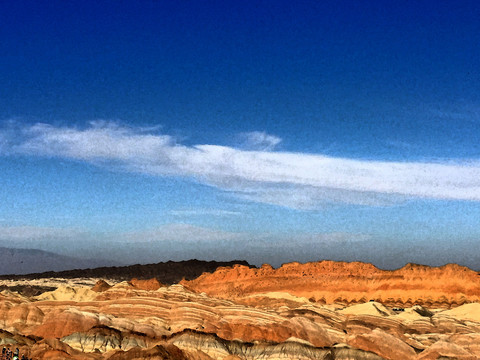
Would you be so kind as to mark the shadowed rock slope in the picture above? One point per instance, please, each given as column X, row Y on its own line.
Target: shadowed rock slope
column 166, row 272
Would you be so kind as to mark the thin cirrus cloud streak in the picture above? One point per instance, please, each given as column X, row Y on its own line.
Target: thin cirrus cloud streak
column 176, row 232
column 179, row 232
column 19, row 233
column 187, row 233
column 203, row 212
column 295, row 180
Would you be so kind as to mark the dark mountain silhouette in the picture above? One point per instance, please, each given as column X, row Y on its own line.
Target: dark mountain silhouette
column 169, row 272
column 25, row 261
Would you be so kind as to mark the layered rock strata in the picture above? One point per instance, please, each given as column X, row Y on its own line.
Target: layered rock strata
column 329, row 282
column 323, row 310
column 131, row 321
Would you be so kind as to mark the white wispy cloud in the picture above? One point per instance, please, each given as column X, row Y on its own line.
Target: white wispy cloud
column 311, row 197
column 3, row 143
column 296, row 180
column 260, row 140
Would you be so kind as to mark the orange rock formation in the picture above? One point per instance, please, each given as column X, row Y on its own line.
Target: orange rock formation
column 258, row 313
column 330, row 282
column 151, row 284
column 101, row 285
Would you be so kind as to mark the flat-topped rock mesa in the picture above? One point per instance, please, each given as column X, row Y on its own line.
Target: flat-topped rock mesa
column 330, row 282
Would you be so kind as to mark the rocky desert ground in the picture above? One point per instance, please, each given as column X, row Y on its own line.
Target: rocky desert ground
column 322, row 310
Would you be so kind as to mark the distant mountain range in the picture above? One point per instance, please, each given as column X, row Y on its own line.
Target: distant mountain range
column 26, row 261
column 37, row 264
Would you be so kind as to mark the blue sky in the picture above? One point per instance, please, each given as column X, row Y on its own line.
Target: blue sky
column 268, row 131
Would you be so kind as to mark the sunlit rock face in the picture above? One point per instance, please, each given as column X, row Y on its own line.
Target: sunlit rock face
column 260, row 314
column 330, row 282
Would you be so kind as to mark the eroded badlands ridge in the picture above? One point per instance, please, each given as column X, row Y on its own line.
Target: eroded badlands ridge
column 144, row 319
column 330, row 282
column 169, row 272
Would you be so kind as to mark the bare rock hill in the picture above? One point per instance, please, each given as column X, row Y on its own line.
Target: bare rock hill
column 165, row 272
column 125, row 322
column 331, row 282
